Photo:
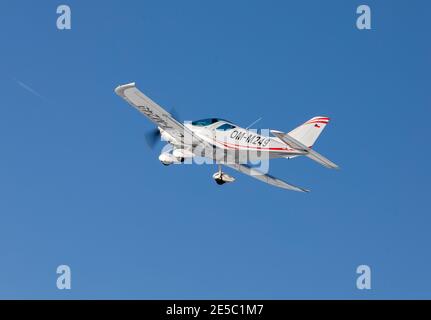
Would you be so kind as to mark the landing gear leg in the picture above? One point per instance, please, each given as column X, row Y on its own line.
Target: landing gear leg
column 219, row 176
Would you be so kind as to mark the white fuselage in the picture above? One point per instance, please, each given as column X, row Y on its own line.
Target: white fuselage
column 234, row 144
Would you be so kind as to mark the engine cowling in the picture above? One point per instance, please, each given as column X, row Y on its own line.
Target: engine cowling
column 182, row 153
column 167, row 158
column 166, row 136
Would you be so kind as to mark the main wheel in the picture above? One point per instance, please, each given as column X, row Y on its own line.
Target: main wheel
column 220, row 181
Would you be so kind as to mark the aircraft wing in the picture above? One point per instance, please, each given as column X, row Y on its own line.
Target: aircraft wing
column 295, row 144
column 265, row 177
column 159, row 116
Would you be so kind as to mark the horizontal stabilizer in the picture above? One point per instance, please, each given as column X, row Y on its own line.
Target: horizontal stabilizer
column 295, row 144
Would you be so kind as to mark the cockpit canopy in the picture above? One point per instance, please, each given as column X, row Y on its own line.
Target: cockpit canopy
column 207, row 122
column 225, row 127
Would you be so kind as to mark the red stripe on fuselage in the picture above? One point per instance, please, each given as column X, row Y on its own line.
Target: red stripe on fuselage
column 236, row 147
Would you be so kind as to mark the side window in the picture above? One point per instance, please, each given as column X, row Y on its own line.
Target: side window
column 225, row 127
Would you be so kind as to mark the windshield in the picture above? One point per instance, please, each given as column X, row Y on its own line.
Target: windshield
column 225, row 127
column 206, row 122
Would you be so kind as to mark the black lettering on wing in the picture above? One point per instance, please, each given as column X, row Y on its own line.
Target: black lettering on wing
column 154, row 117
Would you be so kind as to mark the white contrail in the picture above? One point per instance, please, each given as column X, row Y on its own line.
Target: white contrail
column 29, row 89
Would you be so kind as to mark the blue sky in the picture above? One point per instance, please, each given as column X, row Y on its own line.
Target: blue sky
column 80, row 187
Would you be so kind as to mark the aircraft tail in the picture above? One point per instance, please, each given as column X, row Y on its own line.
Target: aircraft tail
column 307, row 151
column 308, row 132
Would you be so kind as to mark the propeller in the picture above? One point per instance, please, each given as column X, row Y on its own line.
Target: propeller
column 152, row 137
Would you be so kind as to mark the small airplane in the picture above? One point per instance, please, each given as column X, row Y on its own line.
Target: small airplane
column 225, row 143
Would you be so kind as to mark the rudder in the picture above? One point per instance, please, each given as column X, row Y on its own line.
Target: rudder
column 308, row 132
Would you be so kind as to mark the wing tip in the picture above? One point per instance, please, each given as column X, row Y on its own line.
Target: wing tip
column 291, row 187
column 303, row 190
column 120, row 89
column 333, row 166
